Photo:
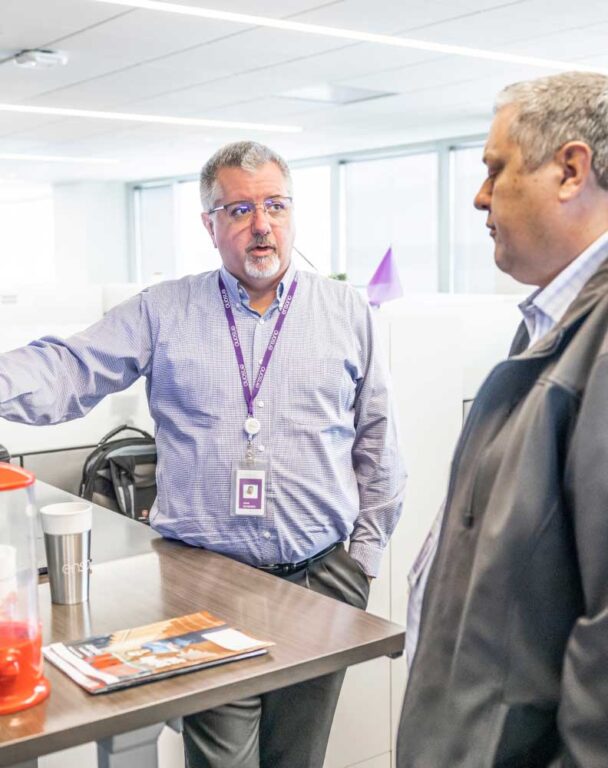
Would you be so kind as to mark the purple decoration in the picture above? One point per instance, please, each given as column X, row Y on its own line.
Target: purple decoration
column 385, row 284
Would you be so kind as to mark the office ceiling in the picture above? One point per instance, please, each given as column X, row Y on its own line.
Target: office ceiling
column 125, row 59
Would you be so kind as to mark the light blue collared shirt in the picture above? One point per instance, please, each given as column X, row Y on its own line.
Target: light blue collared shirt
column 546, row 306
column 327, row 424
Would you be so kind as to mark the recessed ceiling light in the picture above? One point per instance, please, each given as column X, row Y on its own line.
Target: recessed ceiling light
column 351, row 34
column 139, row 118
column 40, row 58
column 54, row 158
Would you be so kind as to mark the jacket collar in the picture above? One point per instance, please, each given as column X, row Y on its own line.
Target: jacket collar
column 594, row 289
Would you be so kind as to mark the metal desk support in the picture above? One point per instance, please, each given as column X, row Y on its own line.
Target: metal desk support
column 135, row 749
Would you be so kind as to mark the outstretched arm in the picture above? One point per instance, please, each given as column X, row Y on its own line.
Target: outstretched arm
column 54, row 380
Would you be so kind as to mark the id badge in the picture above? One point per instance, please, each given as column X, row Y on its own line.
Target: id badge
column 248, row 494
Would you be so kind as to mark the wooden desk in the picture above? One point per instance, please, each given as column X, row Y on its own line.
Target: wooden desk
column 314, row 635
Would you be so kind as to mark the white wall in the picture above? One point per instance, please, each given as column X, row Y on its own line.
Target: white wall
column 157, row 233
column 27, row 242
column 91, row 233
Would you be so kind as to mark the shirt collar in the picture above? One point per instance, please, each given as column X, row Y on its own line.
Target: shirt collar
column 554, row 299
column 238, row 293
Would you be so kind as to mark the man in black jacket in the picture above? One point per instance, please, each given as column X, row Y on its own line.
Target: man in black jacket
column 510, row 668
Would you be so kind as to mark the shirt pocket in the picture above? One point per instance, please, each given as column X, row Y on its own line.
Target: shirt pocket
column 321, row 394
column 189, row 387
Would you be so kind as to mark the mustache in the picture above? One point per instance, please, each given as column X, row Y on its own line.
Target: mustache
column 258, row 242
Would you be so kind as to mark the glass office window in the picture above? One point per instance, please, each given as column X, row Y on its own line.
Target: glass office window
column 313, row 216
column 195, row 251
column 155, row 234
column 471, row 248
column 27, row 234
column 393, row 202
column 172, row 241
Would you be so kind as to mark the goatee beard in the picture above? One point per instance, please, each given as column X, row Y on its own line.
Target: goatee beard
column 260, row 268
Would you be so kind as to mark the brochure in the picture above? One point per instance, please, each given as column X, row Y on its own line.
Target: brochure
column 143, row 654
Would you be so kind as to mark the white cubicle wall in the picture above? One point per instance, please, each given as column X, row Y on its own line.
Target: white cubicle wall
column 438, row 349
column 441, row 348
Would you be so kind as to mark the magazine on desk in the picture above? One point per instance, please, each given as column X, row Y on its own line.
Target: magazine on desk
column 143, row 654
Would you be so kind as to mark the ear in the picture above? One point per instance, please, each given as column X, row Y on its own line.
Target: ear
column 574, row 160
column 208, row 224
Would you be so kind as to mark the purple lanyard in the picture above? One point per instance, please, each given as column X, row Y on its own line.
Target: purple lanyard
column 250, row 395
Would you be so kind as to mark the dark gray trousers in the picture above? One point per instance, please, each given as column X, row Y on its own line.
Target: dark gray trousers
column 288, row 728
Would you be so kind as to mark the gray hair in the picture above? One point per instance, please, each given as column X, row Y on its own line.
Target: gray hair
column 571, row 106
column 248, row 155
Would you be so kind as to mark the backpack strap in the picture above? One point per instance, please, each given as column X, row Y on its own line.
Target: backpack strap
column 122, row 428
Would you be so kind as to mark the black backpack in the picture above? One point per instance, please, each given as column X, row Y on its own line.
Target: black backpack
column 121, row 474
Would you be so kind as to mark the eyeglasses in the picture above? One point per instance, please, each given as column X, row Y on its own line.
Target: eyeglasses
column 242, row 210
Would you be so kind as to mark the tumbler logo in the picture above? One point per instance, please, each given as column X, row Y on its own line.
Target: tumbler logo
column 69, row 568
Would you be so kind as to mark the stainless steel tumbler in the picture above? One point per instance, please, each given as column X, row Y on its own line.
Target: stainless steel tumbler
column 67, row 541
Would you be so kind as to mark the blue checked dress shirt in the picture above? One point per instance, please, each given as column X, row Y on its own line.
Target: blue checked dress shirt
column 328, row 428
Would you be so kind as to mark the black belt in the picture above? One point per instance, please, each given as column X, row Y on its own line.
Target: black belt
column 285, row 569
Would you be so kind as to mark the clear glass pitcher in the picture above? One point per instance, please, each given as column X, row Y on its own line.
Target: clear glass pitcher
column 22, row 683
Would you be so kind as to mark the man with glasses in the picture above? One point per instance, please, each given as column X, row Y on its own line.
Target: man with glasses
column 321, row 428
column 276, row 438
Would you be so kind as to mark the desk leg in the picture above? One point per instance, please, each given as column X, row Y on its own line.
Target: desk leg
column 135, row 749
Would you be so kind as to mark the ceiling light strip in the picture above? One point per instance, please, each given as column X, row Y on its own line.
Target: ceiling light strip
column 155, row 119
column 55, row 158
column 351, row 34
